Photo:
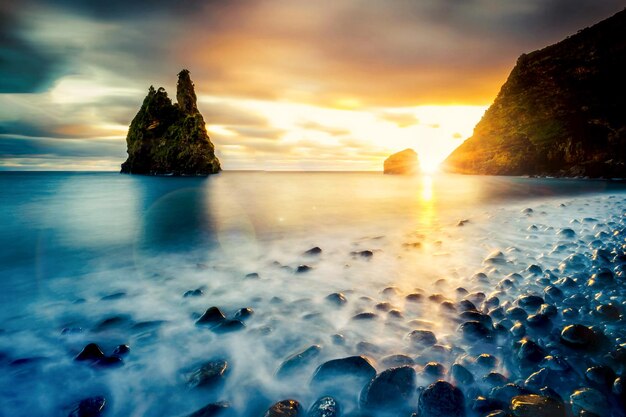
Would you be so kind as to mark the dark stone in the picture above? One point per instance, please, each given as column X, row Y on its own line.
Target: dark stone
column 121, row 350
column 539, row 322
column 579, row 337
column 336, row 298
column 285, row 408
column 461, row 374
column 353, row 366
column 474, row 331
column 208, row 374
column 193, row 293
column 495, row 379
column 228, row 325
column 296, row 361
column 313, row 251
column 325, row 407
column 537, row 406
column 211, row 410
column 112, row 322
column 441, row 399
column 244, row 313
column 301, row 269
column 363, row 253
column 602, row 377
column 166, row 138
column 434, row 370
column 529, row 353
column 482, row 405
column 390, row 390
column 115, row 296
column 211, row 317
column 89, row 407
column 506, row 392
column 476, row 316
column 530, row 302
column 252, row 275
column 486, row 360
column 423, row 338
column 364, row 316
column 516, row 313
column 393, row 361
column 109, row 362
column 608, row 312
column 91, row 352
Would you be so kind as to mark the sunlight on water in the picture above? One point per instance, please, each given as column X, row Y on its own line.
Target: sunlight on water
column 107, row 258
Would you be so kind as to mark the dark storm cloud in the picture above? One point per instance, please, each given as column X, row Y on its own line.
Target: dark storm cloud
column 126, row 9
column 32, row 147
column 25, row 67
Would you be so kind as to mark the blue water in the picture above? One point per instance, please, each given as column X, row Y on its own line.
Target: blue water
column 69, row 239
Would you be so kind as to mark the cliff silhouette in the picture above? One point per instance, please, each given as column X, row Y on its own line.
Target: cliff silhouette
column 170, row 139
column 562, row 111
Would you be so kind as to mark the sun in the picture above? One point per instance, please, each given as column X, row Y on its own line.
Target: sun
column 429, row 166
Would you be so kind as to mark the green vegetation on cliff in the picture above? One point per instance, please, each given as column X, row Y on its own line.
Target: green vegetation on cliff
column 166, row 138
column 562, row 111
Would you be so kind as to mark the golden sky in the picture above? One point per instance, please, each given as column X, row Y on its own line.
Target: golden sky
column 314, row 85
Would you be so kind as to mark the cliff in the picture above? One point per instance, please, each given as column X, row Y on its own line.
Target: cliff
column 404, row 162
column 562, row 111
column 166, row 138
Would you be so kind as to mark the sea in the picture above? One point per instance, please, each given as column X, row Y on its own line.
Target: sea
column 111, row 259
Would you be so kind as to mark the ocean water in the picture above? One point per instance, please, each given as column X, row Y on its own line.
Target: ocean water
column 106, row 258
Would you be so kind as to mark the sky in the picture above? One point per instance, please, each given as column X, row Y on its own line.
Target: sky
column 282, row 84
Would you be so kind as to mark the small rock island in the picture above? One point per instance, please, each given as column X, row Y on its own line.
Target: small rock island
column 560, row 113
column 402, row 163
column 170, row 139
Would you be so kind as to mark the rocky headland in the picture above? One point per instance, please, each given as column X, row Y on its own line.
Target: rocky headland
column 170, row 139
column 560, row 112
column 402, row 163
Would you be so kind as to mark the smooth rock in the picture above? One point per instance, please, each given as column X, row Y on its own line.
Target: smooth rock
column 423, row 338
column 211, row 410
column 285, row 408
column 89, row 407
column 390, row 390
column 208, row 374
column 536, row 406
column 590, row 400
column 91, row 352
column 298, row 360
column 325, row 407
column 211, row 317
column 358, row 367
column 441, row 399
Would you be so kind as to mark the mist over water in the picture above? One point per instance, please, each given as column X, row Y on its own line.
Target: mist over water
column 71, row 239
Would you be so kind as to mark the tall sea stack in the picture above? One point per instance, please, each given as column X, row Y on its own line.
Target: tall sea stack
column 562, row 111
column 170, row 139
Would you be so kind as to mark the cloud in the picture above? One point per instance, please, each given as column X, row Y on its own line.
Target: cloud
column 318, row 127
column 400, row 119
column 12, row 147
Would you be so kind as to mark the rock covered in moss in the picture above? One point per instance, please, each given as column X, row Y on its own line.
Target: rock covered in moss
column 170, row 139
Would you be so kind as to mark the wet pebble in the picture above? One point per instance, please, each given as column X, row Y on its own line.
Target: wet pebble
column 336, row 298
column 89, row 407
column 390, row 390
column 207, row 374
column 325, row 407
column 536, row 406
column 441, row 399
column 212, row 317
column 285, row 408
column 211, row 410
column 296, row 361
column 422, row 338
column 589, row 399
